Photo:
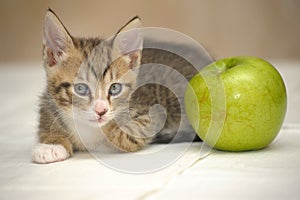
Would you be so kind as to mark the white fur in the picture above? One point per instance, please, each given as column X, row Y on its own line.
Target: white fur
column 48, row 153
column 91, row 136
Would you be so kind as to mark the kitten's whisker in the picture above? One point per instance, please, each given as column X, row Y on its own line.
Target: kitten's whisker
column 88, row 112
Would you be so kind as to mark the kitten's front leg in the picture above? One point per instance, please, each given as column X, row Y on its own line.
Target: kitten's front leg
column 52, row 148
column 122, row 140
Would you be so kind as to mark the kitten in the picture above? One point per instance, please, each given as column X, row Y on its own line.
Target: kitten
column 93, row 97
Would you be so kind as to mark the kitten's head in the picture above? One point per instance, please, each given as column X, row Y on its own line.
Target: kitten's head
column 91, row 78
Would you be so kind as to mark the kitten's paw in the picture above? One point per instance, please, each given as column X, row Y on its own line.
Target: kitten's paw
column 48, row 153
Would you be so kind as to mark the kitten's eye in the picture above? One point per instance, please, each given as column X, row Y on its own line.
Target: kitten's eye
column 115, row 89
column 82, row 89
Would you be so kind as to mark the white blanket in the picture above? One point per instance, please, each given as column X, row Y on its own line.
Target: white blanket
column 271, row 173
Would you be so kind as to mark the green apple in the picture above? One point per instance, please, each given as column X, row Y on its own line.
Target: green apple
column 244, row 96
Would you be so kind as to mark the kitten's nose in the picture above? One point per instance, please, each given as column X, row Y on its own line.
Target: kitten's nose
column 100, row 107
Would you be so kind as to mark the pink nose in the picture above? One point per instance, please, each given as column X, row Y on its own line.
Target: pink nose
column 100, row 107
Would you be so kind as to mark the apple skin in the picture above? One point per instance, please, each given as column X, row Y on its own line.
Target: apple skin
column 254, row 105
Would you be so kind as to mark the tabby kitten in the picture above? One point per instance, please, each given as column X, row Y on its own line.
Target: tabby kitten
column 95, row 97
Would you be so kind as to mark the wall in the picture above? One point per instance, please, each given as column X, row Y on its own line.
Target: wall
column 264, row 28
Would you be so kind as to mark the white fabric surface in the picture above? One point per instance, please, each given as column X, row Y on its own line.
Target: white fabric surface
column 271, row 173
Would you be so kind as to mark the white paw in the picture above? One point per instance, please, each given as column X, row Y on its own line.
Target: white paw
column 48, row 153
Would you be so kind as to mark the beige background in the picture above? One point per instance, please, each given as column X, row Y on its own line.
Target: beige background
column 264, row 28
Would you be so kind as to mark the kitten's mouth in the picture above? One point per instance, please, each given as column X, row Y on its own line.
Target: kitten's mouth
column 98, row 119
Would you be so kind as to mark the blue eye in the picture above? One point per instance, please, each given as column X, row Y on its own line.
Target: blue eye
column 82, row 89
column 115, row 89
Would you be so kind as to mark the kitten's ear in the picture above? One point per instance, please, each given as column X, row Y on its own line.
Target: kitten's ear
column 56, row 39
column 129, row 40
